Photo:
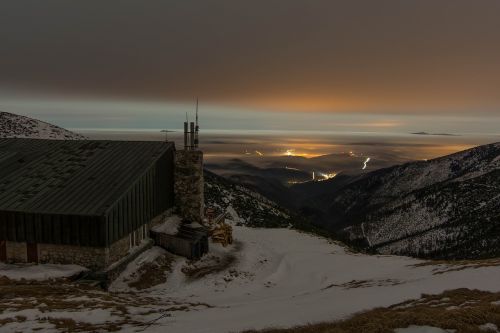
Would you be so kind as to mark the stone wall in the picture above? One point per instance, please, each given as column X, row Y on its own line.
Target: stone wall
column 188, row 185
column 117, row 250
column 94, row 258
column 16, row 252
column 91, row 257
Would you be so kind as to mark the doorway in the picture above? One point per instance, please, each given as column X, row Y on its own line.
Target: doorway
column 3, row 250
column 32, row 252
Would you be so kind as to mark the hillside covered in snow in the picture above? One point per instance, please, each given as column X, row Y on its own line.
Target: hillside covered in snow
column 16, row 126
column 447, row 207
column 267, row 278
column 242, row 205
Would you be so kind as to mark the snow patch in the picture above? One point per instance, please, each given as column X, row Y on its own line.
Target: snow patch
column 39, row 272
column 233, row 214
column 488, row 327
column 121, row 282
column 170, row 225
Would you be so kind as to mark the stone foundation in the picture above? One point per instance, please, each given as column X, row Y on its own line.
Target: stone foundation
column 93, row 258
column 188, row 185
column 90, row 257
column 117, row 250
column 16, row 252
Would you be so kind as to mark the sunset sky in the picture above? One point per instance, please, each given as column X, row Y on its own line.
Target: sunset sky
column 328, row 65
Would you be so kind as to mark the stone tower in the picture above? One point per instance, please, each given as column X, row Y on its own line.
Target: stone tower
column 189, row 182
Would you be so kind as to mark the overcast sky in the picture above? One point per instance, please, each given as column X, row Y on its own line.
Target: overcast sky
column 386, row 59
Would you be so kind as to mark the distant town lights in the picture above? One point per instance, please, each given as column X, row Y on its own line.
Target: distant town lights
column 365, row 163
column 326, row 176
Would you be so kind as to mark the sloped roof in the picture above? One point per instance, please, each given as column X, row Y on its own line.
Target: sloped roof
column 82, row 177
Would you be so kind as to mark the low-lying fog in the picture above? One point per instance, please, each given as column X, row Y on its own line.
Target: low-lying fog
column 305, row 153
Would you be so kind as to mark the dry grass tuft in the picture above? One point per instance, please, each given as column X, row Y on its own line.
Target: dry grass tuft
column 48, row 298
column 445, row 266
column 355, row 284
column 69, row 325
column 463, row 310
column 152, row 273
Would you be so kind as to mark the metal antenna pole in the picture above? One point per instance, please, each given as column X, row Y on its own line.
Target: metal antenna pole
column 166, row 134
column 197, row 127
column 196, row 111
column 186, row 139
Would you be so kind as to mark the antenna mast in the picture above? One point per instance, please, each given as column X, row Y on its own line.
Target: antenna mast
column 186, row 133
column 197, row 127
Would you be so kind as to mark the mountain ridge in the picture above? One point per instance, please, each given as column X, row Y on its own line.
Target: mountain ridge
column 447, row 207
column 17, row 126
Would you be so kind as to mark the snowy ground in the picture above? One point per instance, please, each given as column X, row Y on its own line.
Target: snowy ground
column 273, row 278
column 38, row 272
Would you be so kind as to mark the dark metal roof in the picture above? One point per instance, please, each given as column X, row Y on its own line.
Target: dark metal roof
column 80, row 177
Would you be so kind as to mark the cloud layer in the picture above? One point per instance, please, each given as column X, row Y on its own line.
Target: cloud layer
column 371, row 56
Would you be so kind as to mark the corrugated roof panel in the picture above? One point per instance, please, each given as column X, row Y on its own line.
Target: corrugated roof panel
column 71, row 177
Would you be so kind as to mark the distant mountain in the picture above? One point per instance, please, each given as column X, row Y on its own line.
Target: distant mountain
column 447, row 207
column 288, row 180
column 427, row 133
column 311, row 199
column 16, row 126
column 269, row 182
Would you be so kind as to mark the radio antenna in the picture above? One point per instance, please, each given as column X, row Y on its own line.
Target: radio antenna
column 197, row 127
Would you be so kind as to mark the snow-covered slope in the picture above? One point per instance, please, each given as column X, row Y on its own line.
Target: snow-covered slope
column 448, row 207
column 16, row 126
column 243, row 205
column 277, row 278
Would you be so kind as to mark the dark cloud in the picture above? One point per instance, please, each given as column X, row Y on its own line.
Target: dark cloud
column 325, row 55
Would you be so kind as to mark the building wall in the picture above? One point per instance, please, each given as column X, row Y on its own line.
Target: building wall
column 188, row 184
column 149, row 196
column 94, row 258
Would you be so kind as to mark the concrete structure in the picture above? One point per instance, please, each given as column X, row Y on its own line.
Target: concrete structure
column 190, row 241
